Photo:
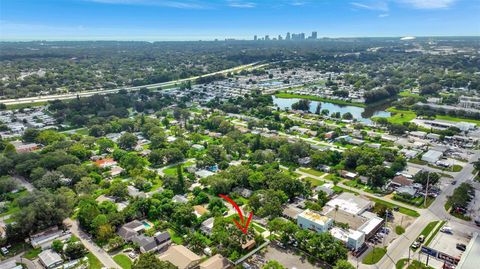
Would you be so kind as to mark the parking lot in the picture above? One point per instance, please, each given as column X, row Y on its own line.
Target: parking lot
column 287, row 258
column 447, row 243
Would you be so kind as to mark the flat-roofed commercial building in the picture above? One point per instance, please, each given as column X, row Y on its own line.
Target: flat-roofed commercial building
column 314, row 221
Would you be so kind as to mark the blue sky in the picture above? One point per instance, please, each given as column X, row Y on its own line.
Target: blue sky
column 206, row 20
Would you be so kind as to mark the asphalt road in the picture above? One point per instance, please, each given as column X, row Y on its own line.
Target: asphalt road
column 101, row 254
column 52, row 97
column 399, row 248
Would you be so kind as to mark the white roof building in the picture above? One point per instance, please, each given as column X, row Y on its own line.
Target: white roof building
column 432, row 156
column 350, row 203
column 50, row 258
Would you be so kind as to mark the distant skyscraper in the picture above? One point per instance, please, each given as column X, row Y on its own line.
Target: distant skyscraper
column 267, row 37
column 255, row 37
column 302, row 36
column 280, row 37
column 287, row 37
column 314, row 35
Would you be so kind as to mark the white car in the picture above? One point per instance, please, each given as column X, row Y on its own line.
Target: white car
column 446, row 229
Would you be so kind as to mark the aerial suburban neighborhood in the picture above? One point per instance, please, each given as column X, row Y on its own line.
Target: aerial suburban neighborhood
column 285, row 151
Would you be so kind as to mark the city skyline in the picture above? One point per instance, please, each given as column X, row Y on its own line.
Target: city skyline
column 158, row 20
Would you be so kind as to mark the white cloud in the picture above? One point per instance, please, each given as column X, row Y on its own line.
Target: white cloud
column 297, row 3
column 241, row 4
column 383, row 15
column 187, row 4
column 371, row 5
column 428, row 4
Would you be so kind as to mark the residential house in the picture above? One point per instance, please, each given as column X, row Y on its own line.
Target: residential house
column 199, row 210
column 348, row 175
column 244, row 192
column 134, row 232
column 50, row 259
column 181, row 257
column 104, row 163
column 45, row 238
column 207, row 226
column 216, row 262
column 400, row 181
column 180, row 199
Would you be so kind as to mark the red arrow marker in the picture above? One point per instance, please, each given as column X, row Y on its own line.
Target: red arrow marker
column 243, row 226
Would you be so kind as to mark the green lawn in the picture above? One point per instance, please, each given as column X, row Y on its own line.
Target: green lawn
column 315, row 182
column 19, row 106
column 340, row 189
column 454, row 168
column 428, row 229
column 13, row 207
column 93, row 262
column 172, row 171
column 123, row 261
column 450, row 118
column 401, row 263
column 434, row 233
column 418, row 265
column 400, row 116
column 315, row 98
column 408, row 94
column 312, row 171
column 175, row 238
column 403, row 210
column 374, row 256
column 399, row 230
column 32, row 254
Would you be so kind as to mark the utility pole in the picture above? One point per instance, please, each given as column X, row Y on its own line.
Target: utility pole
column 426, row 190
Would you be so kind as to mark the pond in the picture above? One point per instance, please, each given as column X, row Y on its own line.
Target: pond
column 359, row 113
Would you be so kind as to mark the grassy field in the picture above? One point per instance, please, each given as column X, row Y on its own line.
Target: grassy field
column 172, row 171
column 403, row 210
column 33, row 253
column 427, row 230
column 434, row 233
column 408, row 94
column 175, row 238
column 413, row 265
column 19, row 106
column 93, row 262
column 13, row 207
column 400, row 116
column 312, row 171
column 339, row 189
column 123, row 261
column 374, row 256
column 319, row 99
column 315, row 182
column 454, row 119
column 455, row 168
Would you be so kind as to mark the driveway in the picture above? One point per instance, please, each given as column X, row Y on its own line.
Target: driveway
column 101, row 254
column 19, row 259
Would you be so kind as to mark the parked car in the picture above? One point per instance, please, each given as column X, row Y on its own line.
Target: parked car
column 415, row 245
column 421, row 238
column 446, row 229
column 461, row 247
column 454, row 182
